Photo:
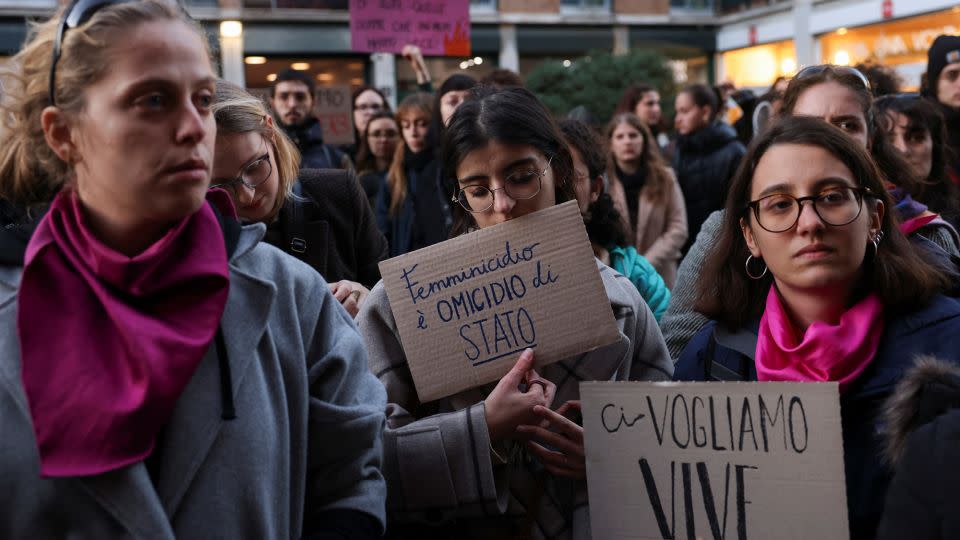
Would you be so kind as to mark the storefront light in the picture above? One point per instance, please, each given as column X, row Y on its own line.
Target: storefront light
column 231, row 29
column 300, row 66
column 788, row 66
column 841, row 58
column 255, row 60
column 464, row 65
column 478, row 60
column 325, row 77
column 567, row 63
column 272, row 77
column 842, row 31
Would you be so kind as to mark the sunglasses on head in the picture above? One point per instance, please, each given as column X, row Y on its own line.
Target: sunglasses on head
column 810, row 71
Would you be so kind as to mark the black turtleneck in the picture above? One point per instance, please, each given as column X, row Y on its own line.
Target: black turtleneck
column 419, row 160
column 632, row 184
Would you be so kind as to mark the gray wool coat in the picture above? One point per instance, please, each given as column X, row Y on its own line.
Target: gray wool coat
column 307, row 436
column 444, row 479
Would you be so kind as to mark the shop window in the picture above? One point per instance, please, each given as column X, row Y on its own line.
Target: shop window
column 759, row 66
column 586, row 5
column 260, row 71
column 692, row 5
column 901, row 44
column 297, row 4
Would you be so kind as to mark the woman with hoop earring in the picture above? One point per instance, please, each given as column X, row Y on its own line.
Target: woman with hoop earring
column 812, row 281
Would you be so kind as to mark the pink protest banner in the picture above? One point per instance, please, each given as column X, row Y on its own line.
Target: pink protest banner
column 438, row 27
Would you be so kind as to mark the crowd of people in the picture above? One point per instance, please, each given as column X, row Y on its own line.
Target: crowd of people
column 199, row 343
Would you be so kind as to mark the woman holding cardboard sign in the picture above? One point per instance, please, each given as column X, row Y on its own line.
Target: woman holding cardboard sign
column 477, row 464
column 812, row 280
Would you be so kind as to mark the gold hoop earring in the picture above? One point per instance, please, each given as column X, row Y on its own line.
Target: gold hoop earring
column 747, row 268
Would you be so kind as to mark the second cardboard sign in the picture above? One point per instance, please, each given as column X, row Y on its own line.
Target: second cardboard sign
column 467, row 308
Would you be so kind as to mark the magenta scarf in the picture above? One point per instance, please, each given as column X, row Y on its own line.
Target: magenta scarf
column 108, row 342
column 825, row 352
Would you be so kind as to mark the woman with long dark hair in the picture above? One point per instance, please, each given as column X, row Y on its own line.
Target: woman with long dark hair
column 378, row 145
column 916, row 128
column 812, row 280
column 481, row 463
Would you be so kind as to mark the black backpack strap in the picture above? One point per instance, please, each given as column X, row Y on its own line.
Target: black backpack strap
column 743, row 342
column 295, row 226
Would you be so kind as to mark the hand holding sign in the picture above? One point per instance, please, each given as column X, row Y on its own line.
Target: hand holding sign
column 566, row 437
column 507, row 406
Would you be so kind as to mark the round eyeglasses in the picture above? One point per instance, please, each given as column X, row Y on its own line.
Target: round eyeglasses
column 836, row 206
column 520, row 185
column 251, row 176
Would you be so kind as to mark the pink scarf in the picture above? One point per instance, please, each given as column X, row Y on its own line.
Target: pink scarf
column 108, row 342
column 825, row 352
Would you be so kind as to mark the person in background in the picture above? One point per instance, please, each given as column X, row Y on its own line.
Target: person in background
column 164, row 373
column 377, row 148
column 317, row 216
column 494, row 461
column 502, row 78
column 605, row 226
column 943, row 89
column 412, row 208
column 916, row 128
column 884, row 81
column 707, row 155
column 811, row 280
column 645, row 194
column 451, row 94
column 292, row 98
column 366, row 101
column 922, row 435
column 643, row 100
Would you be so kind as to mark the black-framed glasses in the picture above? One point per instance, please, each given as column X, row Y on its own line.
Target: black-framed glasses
column 520, row 185
column 251, row 176
column 79, row 12
column 835, row 206
column 810, row 71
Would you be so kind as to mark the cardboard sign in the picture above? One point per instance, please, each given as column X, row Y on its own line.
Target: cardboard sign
column 714, row 460
column 438, row 27
column 334, row 110
column 466, row 308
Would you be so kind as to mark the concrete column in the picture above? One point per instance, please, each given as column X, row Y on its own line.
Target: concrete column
column 231, row 59
column 509, row 56
column 621, row 40
column 802, row 37
column 385, row 76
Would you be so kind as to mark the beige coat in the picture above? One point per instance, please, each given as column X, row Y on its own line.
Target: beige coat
column 661, row 227
column 443, row 480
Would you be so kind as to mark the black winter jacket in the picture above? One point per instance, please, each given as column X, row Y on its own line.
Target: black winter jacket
column 705, row 162
column 923, row 439
column 330, row 226
column 314, row 153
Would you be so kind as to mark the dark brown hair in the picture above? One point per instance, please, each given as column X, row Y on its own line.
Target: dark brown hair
column 658, row 177
column 632, row 96
column 366, row 161
column 936, row 191
column 898, row 273
column 509, row 116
